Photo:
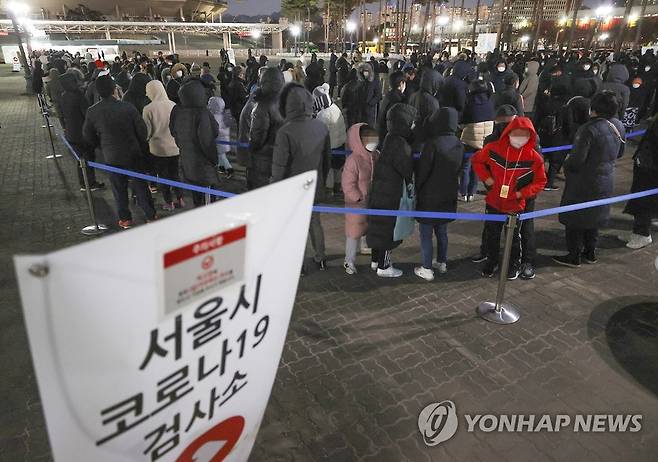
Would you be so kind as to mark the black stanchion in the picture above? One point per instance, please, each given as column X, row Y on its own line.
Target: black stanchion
column 54, row 155
column 96, row 228
column 500, row 312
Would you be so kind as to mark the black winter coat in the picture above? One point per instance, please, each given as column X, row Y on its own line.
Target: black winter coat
column 590, row 171
column 394, row 166
column 118, row 129
column 645, row 174
column 73, row 108
column 195, row 129
column 302, row 142
column 509, row 95
column 136, row 94
column 425, row 102
column 236, row 93
column 439, row 166
column 265, row 122
column 392, row 97
column 455, row 87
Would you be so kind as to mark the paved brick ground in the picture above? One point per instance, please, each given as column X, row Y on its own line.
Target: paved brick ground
column 365, row 355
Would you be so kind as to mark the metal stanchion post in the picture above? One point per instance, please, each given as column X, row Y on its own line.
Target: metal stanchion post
column 96, row 228
column 54, row 155
column 207, row 198
column 501, row 312
column 44, row 110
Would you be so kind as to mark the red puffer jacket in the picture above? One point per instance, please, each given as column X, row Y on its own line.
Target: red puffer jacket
column 521, row 170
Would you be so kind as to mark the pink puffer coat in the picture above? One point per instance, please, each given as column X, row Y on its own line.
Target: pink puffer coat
column 356, row 181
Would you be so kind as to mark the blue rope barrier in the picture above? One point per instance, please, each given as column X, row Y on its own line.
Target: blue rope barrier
column 467, row 155
column 378, row 212
column 587, row 205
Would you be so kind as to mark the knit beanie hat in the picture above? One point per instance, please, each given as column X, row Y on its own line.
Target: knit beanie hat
column 321, row 98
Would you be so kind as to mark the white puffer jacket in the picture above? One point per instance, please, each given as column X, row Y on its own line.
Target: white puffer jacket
column 332, row 117
column 474, row 134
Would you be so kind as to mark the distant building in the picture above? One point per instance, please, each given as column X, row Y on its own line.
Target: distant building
column 523, row 10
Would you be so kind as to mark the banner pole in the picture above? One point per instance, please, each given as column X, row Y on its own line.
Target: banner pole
column 500, row 312
column 54, row 155
column 96, row 228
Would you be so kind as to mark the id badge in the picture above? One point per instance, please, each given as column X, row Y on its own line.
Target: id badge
column 504, row 191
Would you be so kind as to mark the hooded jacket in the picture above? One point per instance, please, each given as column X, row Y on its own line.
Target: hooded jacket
column 175, row 83
column 528, row 87
column 425, row 102
column 521, row 170
column 136, row 94
column 244, row 127
column 54, row 88
column 395, row 165
column 456, row 86
column 156, row 116
column 590, row 171
column 370, row 91
column 439, row 166
column 356, row 181
column 393, row 97
column 195, row 131
column 265, row 122
column 615, row 81
column 73, row 107
column 216, row 106
column 330, row 115
column 302, row 143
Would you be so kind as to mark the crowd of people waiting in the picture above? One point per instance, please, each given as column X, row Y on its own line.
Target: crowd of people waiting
column 426, row 128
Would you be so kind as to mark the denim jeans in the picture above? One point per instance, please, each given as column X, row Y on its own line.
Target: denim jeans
column 120, row 190
column 426, row 244
column 468, row 184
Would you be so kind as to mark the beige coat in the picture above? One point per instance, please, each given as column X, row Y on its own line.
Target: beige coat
column 474, row 134
column 156, row 116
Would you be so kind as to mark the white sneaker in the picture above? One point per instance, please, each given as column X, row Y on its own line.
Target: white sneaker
column 389, row 272
column 349, row 268
column 638, row 241
column 625, row 236
column 366, row 251
column 373, row 265
column 424, row 273
column 442, row 268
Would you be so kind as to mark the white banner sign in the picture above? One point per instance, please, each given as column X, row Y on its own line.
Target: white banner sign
column 162, row 343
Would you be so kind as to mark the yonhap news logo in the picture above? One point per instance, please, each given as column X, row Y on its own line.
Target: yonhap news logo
column 438, row 422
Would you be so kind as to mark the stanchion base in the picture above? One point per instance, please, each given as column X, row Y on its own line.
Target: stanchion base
column 46, row 126
column 54, row 156
column 93, row 230
column 508, row 313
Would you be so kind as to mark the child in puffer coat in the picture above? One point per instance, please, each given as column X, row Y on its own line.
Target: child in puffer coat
column 216, row 106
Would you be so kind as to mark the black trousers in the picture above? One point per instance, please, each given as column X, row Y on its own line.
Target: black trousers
column 382, row 258
column 581, row 239
column 555, row 161
column 493, row 230
column 87, row 153
column 528, row 241
column 642, row 224
column 140, row 189
column 167, row 168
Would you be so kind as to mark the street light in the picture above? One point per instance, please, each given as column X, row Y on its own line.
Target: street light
column 603, row 11
column 295, row 30
column 443, row 20
column 18, row 11
column 350, row 26
column 604, row 36
column 457, row 25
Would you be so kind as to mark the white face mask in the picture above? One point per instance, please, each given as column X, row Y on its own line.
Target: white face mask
column 647, row 68
column 179, row 74
column 636, row 85
column 366, row 74
column 371, row 146
column 403, row 87
column 596, row 71
column 586, row 67
column 501, row 68
column 518, row 141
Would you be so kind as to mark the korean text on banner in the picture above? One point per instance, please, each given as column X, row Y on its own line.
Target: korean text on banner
column 124, row 379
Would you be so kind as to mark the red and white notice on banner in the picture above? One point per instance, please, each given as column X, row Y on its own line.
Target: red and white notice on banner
column 162, row 343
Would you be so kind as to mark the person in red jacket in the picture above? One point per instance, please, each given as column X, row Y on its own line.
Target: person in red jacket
column 512, row 171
